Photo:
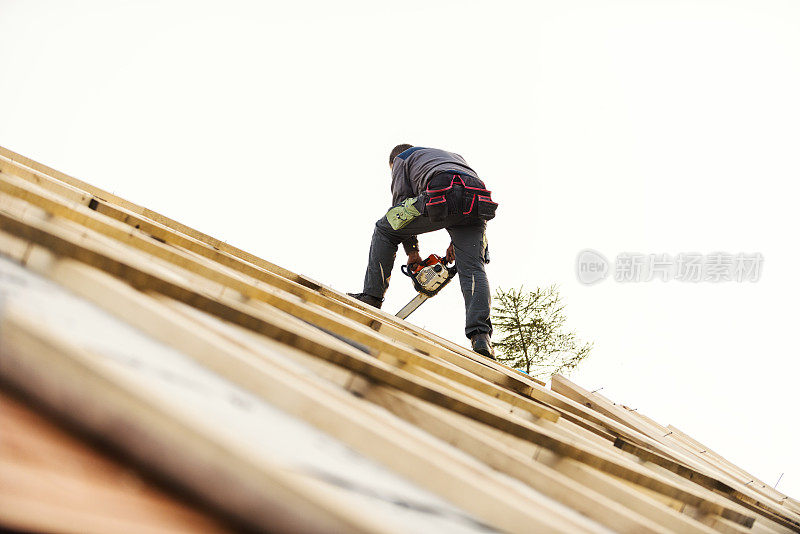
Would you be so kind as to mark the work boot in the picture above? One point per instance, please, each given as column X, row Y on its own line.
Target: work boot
column 367, row 299
column 483, row 345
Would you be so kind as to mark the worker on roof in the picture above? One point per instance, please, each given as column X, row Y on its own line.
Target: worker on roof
column 433, row 189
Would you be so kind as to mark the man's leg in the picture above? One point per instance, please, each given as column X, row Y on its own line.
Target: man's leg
column 383, row 250
column 469, row 245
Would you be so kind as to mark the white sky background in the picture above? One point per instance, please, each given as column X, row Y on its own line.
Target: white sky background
column 622, row 126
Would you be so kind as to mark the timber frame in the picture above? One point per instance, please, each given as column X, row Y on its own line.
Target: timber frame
column 517, row 455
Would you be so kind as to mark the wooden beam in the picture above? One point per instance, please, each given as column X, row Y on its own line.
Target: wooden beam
column 259, row 291
column 380, row 436
column 613, row 514
column 65, row 379
column 626, row 495
column 676, row 461
column 634, row 439
column 52, row 481
column 142, row 277
column 285, row 329
column 702, row 450
column 23, row 163
column 341, row 305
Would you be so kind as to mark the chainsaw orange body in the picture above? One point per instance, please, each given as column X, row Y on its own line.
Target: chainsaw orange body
column 428, row 277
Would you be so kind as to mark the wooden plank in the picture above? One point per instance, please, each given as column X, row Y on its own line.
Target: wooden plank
column 752, row 498
column 669, row 437
column 613, row 514
column 339, row 414
column 638, row 498
column 761, row 492
column 71, row 388
column 11, row 184
column 348, row 380
column 711, row 483
column 701, row 511
column 482, row 370
column 723, row 484
column 165, row 379
column 501, row 394
column 317, row 342
column 317, row 315
column 745, row 477
column 676, row 461
column 45, row 234
column 624, row 494
column 24, row 163
column 11, row 162
column 52, row 481
column 585, row 414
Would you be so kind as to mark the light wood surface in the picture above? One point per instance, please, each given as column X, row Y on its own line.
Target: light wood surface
column 485, row 446
column 50, row 479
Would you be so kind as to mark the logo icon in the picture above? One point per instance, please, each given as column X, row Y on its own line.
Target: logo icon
column 591, row 267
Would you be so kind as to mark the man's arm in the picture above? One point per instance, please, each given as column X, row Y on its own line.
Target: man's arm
column 401, row 190
column 411, row 246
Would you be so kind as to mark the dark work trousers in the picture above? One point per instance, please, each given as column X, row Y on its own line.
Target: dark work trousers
column 468, row 235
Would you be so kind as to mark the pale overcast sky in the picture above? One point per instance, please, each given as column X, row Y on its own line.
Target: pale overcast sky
column 651, row 127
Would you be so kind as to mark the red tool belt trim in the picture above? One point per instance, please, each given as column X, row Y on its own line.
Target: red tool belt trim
column 484, row 208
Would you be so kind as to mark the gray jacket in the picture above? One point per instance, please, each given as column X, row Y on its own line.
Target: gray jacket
column 414, row 168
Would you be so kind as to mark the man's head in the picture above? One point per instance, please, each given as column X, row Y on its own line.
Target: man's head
column 397, row 150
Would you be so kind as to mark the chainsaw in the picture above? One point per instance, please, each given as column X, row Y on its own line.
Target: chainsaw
column 428, row 277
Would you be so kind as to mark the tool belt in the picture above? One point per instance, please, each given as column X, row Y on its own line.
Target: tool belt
column 451, row 193
column 401, row 215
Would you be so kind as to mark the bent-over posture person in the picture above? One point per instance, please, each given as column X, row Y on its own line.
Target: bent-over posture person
column 433, row 189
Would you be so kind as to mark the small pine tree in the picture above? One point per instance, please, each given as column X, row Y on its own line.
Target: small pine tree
column 534, row 339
